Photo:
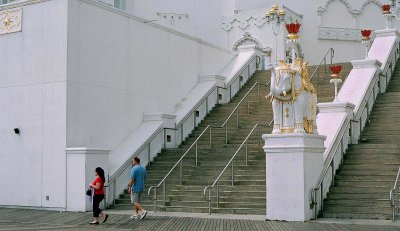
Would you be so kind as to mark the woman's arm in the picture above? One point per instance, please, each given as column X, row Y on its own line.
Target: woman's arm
column 96, row 186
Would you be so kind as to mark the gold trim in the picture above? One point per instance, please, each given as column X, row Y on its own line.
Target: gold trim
column 293, row 36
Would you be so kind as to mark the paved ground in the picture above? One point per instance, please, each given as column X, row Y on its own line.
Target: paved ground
column 29, row 219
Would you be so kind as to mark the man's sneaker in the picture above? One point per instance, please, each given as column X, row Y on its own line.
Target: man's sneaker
column 143, row 215
column 134, row 216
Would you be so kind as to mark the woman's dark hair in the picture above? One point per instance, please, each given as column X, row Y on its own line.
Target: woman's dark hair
column 100, row 173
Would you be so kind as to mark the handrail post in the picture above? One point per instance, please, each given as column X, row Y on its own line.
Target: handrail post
column 114, row 189
column 207, row 105
column 209, row 201
column 180, row 173
column 210, row 136
column 333, row 172
column 196, row 153
column 155, row 200
column 217, row 194
column 248, row 106
column 164, row 193
column 226, row 133
column 237, row 117
column 165, row 139
column 246, row 153
column 149, row 154
column 321, row 205
column 232, row 172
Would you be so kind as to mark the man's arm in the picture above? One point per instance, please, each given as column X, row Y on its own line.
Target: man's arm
column 131, row 182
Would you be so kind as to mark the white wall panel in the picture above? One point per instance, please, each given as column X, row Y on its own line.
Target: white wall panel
column 32, row 98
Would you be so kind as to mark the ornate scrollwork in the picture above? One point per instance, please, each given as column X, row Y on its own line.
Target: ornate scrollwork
column 10, row 21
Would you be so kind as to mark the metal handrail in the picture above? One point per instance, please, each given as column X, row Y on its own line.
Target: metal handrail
column 180, row 161
column 236, row 109
column 393, row 197
column 195, row 142
column 332, row 52
column 230, row 163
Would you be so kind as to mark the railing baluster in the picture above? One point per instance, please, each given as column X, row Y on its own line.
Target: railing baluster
column 217, row 195
column 164, row 194
column 248, row 106
column 210, row 137
column 180, row 173
column 155, row 200
column 233, row 175
column 226, row 134
column 196, row 154
column 237, row 117
column 246, row 153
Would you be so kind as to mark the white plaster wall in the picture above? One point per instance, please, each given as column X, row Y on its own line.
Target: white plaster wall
column 32, row 98
column 205, row 22
column 117, row 73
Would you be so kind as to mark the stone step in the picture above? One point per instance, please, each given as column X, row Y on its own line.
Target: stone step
column 356, row 196
column 383, row 203
column 369, row 167
column 367, row 215
column 365, row 183
column 376, row 172
column 358, row 209
column 391, row 159
column 363, row 189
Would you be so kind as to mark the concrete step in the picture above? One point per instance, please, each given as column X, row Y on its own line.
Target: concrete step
column 353, row 215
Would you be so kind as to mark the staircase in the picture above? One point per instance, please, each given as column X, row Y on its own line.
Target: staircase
column 247, row 196
column 369, row 169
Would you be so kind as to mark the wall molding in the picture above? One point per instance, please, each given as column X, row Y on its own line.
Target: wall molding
column 247, row 37
column 344, row 2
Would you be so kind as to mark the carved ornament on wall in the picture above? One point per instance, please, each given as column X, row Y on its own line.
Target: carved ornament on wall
column 10, row 21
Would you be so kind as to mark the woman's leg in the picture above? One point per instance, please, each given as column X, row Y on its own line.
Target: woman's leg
column 96, row 203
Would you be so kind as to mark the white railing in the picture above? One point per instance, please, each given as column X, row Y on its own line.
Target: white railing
column 158, row 140
column 347, row 131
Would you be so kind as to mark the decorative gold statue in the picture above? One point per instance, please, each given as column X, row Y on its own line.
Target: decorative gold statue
column 293, row 97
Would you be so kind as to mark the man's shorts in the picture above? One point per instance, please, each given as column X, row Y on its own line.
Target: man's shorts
column 136, row 197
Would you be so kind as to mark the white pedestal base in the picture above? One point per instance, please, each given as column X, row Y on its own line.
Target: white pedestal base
column 294, row 165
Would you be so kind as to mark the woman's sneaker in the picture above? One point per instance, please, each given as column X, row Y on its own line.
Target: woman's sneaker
column 134, row 216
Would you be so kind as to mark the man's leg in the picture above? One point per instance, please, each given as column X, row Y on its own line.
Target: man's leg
column 134, row 201
column 144, row 212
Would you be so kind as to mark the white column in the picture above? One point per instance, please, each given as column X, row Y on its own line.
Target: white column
column 81, row 163
column 294, row 165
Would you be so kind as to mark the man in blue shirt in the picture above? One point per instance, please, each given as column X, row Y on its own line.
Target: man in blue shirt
column 136, row 187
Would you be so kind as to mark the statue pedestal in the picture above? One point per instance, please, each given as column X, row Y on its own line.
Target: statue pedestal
column 294, row 165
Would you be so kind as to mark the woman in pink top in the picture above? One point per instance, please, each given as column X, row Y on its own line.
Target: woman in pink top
column 98, row 195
